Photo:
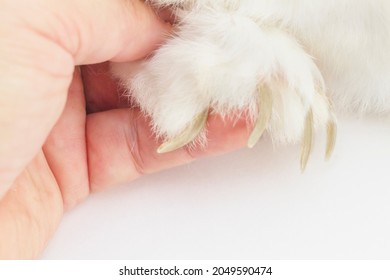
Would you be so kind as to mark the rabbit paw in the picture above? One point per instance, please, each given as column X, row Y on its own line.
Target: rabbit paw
column 226, row 64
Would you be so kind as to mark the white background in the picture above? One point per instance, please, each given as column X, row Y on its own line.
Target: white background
column 245, row 205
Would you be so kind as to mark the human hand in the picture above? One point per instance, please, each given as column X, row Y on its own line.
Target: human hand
column 64, row 131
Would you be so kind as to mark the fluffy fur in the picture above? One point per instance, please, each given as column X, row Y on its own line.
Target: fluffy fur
column 305, row 52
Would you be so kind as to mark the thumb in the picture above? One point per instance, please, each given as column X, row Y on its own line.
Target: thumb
column 120, row 30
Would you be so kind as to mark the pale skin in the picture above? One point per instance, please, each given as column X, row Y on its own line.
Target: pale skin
column 64, row 130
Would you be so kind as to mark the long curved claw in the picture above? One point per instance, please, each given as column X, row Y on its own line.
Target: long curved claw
column 331, row 134
column 307, row 140
column 188, row 135
column 265, row 109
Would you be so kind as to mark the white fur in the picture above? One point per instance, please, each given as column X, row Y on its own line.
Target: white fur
column 223, row 49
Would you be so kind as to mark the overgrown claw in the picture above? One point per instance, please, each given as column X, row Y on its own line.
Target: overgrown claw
column 331, row 134
column 265, row 110
column 188, row 135
column 307, row 140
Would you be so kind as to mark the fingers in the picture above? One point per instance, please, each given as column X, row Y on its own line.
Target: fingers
column 65, row 147
column 41, row 42
column 121, row 146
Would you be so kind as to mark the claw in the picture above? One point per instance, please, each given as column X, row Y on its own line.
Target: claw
column 265, row 109
column 331, row 132
column 186, row 136
column 307, row 140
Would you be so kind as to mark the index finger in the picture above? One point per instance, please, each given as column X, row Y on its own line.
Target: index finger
column 122, row 147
